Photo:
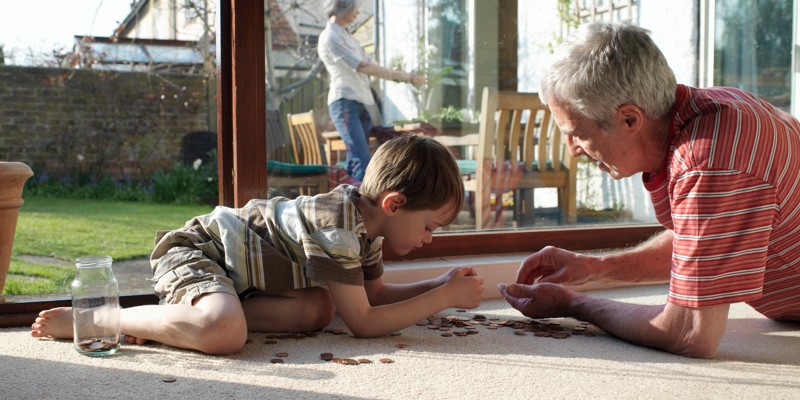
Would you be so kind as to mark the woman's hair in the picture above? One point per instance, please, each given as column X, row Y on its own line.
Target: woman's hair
column 605, row 65
column 339, row 7
column 420, row 168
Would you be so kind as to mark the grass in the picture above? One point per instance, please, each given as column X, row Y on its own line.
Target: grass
column 66, row 229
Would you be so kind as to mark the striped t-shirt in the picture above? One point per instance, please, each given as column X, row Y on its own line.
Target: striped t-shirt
column 730, row 192
column 281, row 244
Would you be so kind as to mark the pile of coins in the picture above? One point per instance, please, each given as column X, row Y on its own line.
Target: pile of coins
column 450, row 326
column 463, row 326
column 93, row 345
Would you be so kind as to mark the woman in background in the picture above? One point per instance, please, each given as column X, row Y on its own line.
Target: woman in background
column 349, row 96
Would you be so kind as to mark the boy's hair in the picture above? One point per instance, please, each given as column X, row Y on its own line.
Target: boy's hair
column 420, row 168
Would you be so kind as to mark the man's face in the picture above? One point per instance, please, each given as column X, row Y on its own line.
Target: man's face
column 615, row 150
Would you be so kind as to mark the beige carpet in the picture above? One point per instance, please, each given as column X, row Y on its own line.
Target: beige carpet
column 758, row 358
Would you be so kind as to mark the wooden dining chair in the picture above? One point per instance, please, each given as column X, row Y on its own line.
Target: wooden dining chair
column 308, row 174
column 519, row 149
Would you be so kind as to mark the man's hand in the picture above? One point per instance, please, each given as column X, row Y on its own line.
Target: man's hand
column 542, row 300
column 555, row 265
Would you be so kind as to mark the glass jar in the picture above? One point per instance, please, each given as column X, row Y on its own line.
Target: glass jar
column 95, row 307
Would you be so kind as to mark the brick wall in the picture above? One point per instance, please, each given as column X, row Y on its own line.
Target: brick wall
column 67, row 122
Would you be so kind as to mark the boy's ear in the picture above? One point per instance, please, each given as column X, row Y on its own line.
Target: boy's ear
column 393, row 201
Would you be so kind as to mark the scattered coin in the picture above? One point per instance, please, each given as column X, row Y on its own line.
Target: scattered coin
column 345, row 361
column 168, row 379
column 326, row 356
column 447, row 334
column 276, row 361
column 282, row 354
column 401, row 345
column 386, row 360
column 365, row 361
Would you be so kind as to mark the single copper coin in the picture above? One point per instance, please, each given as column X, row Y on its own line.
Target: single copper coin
column 365, row 361
column 559, row 335
column 282, row 354
column 326, row 356
column 401, row 345
column 386, row 360
column 276, row 361
column 447, row 334
column 168, row 379
column 345, row 361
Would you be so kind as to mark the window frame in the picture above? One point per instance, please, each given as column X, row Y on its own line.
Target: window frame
column 241, row 110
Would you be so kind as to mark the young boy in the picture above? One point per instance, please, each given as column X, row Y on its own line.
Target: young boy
column 261, row 267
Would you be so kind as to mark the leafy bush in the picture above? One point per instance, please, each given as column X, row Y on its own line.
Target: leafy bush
column 180, row 184
column 187, row 184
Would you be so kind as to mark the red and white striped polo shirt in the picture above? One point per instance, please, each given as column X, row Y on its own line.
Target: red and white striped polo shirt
column 730, row 192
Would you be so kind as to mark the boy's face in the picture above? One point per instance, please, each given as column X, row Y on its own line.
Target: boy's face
column 411, row 229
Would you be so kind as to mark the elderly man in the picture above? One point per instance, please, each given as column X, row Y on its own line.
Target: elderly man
column 723, row 171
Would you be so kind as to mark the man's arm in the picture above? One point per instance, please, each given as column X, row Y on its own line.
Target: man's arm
column 649, row 262
column 681, row 330
column 691, row 332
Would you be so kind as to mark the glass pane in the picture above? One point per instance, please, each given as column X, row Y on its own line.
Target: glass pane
column 111, row 104
column 441, row 39
column 752, row 45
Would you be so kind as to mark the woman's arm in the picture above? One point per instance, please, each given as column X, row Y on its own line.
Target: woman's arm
column 390, row 74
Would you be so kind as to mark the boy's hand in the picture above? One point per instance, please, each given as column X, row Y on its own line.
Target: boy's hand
column 465, row 287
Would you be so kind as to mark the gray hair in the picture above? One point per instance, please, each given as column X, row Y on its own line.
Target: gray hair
column 605, row 65
column 339, row 7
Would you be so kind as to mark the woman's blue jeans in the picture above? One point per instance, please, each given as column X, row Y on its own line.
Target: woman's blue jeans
column 354, row 124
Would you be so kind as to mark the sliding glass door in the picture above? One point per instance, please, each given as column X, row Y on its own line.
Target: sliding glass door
column 750, row 45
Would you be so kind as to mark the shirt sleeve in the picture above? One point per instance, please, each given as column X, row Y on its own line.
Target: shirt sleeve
column 722, row 223
column 337, row 48
column 334, row 254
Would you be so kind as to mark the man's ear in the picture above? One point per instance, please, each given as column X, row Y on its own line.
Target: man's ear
column 630, row 116
column 392, row 202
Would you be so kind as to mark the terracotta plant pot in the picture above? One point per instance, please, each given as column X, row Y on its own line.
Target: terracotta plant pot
column 12, row 179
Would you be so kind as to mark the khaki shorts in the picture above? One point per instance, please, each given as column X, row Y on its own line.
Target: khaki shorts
column 185, row 273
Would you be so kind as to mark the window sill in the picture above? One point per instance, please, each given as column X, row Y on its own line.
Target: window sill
column 493, row 269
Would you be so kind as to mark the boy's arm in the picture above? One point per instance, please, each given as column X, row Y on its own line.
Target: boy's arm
column 366, row 320
column 380, row 292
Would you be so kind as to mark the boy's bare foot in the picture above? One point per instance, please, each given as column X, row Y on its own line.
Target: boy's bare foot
column 134, row 340
column 54, row 323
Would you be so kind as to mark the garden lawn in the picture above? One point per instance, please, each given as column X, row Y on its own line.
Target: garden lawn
column 66, row 229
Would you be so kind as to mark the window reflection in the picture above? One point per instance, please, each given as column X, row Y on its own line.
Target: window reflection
column 750, row 48
column 461, row 57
